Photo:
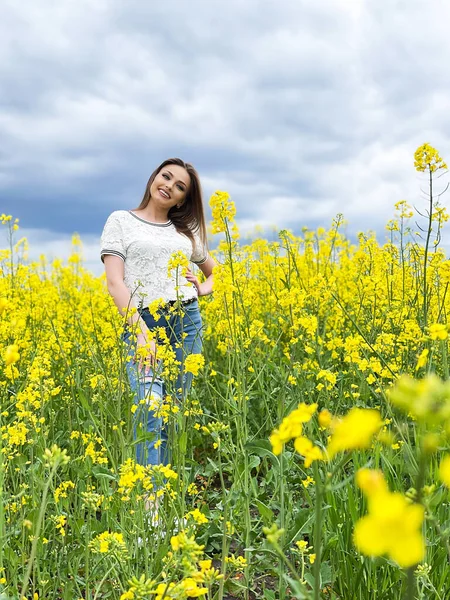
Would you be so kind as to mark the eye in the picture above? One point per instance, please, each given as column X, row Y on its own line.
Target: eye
column 166, row 176
column 181, row 188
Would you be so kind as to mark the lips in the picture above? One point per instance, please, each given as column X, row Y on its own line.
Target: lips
column 164, row 194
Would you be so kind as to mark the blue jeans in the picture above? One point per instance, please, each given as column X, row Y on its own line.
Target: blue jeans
column 185, row 335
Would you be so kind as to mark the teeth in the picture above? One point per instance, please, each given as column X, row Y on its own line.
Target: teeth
column 164, row 193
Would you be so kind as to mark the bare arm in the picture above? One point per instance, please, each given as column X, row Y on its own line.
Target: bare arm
column 206, row 287
column 114, row 268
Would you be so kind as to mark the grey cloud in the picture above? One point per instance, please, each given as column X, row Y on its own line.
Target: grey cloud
column 290, row 106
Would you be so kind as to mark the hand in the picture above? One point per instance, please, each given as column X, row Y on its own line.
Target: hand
column 145, row 353
column 194, row 280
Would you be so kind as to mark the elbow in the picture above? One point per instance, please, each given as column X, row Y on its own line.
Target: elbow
column 114, row 286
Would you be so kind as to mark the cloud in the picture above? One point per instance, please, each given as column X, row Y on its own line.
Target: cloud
column 300, row 110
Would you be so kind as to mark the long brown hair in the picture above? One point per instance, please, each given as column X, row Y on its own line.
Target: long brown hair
column 190, row 217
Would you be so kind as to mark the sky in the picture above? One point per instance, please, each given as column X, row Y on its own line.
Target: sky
column 299, row 109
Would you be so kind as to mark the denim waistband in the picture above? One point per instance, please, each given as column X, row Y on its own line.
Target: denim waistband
column 171, row 303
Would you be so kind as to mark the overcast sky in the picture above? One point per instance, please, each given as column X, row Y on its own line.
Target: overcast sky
column 300, row 109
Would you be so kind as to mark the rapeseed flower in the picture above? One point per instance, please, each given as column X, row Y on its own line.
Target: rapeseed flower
column 308, row 450
column 223, row 212
column 354, row 431
column 292, row 426
column 438, row 331
column 444, row 470
column 427, row 158
column 109, row 543
column 392, row 525
column 11, row 355
column 427, row 399
column 193, row 363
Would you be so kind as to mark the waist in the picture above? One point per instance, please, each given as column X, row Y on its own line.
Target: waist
column 171, row 303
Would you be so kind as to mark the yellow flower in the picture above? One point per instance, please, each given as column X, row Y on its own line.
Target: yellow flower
column 223, row 211
column 355, row 430
column 438, row 331
column 193, row 363
column 393, row 524
column 426, row 399
column 422, row 359
column 109, row 543
column 61, row 490
column 371, row 481
column 197, row 516
column 237, row 562
column 291, row 426
column 190, row 588
column 306, row 448
column 325, row 418
column 427, row 158
column 444, row 470
column 179, row 263
column 12, row 354
column 307, row 481
column 302, row 545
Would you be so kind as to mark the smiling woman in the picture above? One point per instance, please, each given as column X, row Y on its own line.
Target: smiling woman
column 138, row 248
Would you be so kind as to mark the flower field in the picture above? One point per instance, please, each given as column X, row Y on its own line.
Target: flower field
column 311, row 459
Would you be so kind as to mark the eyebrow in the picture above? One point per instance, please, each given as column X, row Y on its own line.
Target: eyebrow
column 179, row 181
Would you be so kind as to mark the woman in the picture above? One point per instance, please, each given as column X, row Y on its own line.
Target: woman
column 136, row 247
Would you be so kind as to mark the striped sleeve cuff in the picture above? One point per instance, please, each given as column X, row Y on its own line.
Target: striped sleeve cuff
column 200, row 262
column 113, row 252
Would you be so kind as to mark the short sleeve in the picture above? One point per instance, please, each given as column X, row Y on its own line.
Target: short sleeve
column 112, row 241
column 200, row 252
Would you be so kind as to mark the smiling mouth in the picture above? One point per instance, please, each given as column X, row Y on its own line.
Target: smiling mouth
column 164, row 194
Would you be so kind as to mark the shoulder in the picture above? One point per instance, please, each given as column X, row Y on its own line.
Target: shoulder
column 118, row 215
column 119, row 219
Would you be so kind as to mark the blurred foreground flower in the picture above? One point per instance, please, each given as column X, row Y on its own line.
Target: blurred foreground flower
column 292, row 426
column 427, row 399
column 393, row 524
column 12, row 354
column 354, row 431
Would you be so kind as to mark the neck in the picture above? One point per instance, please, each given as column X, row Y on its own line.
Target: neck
column 154, row 214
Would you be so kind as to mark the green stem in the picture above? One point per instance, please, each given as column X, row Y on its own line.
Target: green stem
column 2, row 506
column 102, row 581
column 317, row 531
column 425, row 260
column 26, row 578
column 281, row 587
column 224, row 536
column 410, row 584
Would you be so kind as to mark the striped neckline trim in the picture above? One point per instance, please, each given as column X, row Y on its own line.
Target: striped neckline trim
column 166, row 224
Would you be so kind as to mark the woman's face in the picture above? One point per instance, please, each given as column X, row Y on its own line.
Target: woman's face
column 170, row 186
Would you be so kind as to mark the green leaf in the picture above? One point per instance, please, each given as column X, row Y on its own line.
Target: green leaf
column 301, row 524
column 263, row 448
column 253, row 462
column 84, row 401
column 145, row 437
column 265, row 512
column 183, row 442
column 103, row 473
column 297, row 589
column 326, row 573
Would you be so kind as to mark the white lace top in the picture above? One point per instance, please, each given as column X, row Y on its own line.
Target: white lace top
column 146, row 248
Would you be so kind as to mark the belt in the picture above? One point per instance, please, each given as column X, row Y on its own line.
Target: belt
column 183, row 302
column 173, row 302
